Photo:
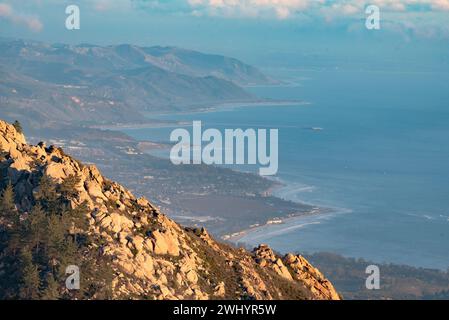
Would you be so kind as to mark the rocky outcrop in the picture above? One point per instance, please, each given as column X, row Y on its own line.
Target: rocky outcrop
column 266, row 258
column 154, row 257
column 303, row 271
column 297, row 268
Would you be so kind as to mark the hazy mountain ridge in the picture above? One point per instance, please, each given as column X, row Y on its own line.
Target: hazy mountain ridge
column 64, row 212
column 199, row 64
column 114, row 83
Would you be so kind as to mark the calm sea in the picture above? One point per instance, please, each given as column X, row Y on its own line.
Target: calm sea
column 381, row 161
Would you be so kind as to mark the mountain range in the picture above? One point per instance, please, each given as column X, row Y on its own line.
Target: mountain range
column 44, row 83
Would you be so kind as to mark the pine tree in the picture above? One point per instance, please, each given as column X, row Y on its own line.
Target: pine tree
column 104, row 276
column 68, row 187
column 47, row 195
column 7, row 205
column 29, row 289
column 56, row 239
column 10, row 244
column 37, row 228
column 52, row 289
column 69, row 254
column 78, row 217
column 18, row 126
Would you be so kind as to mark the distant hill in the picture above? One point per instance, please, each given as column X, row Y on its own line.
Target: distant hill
column 88, row 83
column 396, row 281
column 199, row 64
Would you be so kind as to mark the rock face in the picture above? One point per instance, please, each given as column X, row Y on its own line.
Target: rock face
column 303, row 271
column 154, row 257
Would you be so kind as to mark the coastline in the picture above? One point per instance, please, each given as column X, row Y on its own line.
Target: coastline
column 283, row 220
column 225, row 106
column 229, row 106
column 278, row 190
column 236, row 236
column 276, row 217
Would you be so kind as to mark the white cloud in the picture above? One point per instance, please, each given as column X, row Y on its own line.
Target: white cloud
column 280, row 8
column 440, row 4
column 283, row 9
column 424, row 18
column 107, row 5
column 8, row 13
column 5, row 10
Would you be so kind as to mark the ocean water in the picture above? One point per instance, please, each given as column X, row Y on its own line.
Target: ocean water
column 381, row 161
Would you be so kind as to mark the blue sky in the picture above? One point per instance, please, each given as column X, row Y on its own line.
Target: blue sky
column 257, row 30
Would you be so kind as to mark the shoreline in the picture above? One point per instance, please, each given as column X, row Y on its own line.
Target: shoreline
column 288, row 222
column 276, row 218
column 236, row 236
column 229, row 106
column 316, row 211
column 225, row 106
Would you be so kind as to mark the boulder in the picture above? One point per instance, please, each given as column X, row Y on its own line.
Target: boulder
column 94, row 190
column 138, row 242
column 219, row 290
column 165, row 243
column 192, row 276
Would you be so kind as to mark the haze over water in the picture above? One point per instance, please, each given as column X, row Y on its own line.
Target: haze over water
column 381, row 161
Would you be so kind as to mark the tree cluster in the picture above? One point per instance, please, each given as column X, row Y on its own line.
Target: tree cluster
column 36, row 247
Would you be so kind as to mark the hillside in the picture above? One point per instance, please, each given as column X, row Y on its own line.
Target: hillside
column 56, row 212
column 398, row 281
column 199, row 64
column 113, row 84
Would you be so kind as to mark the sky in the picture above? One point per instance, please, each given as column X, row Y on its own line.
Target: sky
column 256, row 30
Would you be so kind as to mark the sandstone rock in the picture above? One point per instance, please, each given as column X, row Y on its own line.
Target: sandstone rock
column 290, row 258
column 219, row 290
column 199, row 295
column 311, row 277
column 166, row 293
column 282, row 271
column 188, row 292
column 120, row 223
column 143, row 202
column 58, row 171
column 178, row 279
column 148, row 245
column 268, row 259
column 163, row 278
column 138, row 242
column 94, row 190
column 127, row 266
column 10, row 134
column 192, row 277
column 165, row 243
column 262, row 262
column 106, row 222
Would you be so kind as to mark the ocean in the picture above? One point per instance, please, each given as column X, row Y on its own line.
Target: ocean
column 380, row 160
